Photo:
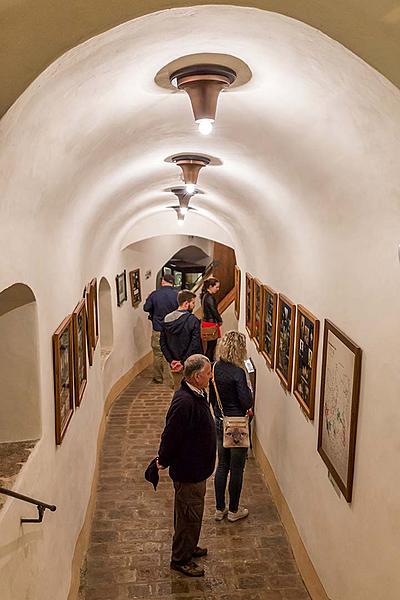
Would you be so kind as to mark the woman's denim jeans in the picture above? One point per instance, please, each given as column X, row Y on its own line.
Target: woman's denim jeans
column 233, row 460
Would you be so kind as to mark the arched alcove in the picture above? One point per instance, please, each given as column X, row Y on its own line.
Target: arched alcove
column 106, row 322
column 19, row 365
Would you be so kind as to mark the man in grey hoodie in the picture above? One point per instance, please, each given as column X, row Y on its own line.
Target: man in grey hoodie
column 180, row 335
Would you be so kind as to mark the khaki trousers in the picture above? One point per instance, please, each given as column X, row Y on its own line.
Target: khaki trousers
column 188, row 515
column 160, row 364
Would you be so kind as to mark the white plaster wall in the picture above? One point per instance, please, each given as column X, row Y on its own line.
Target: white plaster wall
column 19, row 375
column 308, row 193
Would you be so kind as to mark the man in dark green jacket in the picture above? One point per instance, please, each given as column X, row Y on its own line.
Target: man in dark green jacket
column 188, row 448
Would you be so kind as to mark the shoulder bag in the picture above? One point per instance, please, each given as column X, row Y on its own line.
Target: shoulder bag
column 235, row 429
column 209, row 331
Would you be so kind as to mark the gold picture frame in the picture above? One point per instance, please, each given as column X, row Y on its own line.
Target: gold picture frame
column 80, row 363
column 268, row 334
column 286, row 317
column 305, row 361
column 63, row 377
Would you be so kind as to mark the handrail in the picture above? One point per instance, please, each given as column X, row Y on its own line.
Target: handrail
column 41, row 506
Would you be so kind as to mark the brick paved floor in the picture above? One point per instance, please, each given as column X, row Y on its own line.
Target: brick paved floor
column 129, row 551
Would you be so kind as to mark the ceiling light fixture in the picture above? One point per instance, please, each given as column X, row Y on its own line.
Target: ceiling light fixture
column 190, row 165
column 203, row 83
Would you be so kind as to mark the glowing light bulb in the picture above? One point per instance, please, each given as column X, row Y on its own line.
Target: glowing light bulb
column 183, row 210
column 205, row 126
column 190, row 187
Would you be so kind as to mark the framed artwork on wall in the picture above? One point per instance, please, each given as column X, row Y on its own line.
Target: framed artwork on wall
column 136, row 292
column 305, row 360
column 338, row 411
column 89, row 323
column 249, row 303
column 268, row 333
column 80, row 364
column 285, row 340
column 237, row 291
column 257, row 312
column 94, row 303
column 63, row 377
column 120, row 281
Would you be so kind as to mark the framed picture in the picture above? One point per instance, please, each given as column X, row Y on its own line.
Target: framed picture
column 338, row 411
column 63, row 376
column 90, row 326
column 285, row 340
column 249, row 303
column 95, row 311
column 305, row 360
column 136, row 292
column 257, row 312
column 268, row 333
column 80, row 364
column 238, row 276
column 120, row 281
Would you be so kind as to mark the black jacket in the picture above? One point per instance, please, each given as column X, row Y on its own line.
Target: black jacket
column 235, row 394
column 210, row 309
column 160, row 303
column 188, row 442
column 180, row 336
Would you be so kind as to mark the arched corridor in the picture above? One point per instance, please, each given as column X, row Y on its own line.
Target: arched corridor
column 299, row 179
column 130, row 544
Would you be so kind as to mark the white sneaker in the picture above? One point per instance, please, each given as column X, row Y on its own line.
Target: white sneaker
column 241, row 513
column 220, row 514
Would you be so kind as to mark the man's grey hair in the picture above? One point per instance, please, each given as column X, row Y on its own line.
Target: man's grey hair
column 194, row 364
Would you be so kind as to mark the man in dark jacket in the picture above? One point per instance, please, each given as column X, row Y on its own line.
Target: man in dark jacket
column 188, row 447
column 158, row 305
column 180, row 335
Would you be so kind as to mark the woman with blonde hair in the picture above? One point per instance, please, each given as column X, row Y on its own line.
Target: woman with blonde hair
column 236, row 399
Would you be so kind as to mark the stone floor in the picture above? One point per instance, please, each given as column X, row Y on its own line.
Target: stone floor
column 129, row 551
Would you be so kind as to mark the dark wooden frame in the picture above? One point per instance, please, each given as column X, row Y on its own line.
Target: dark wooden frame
column 249, row 321
column 238, row 278
column 257, row 285
column 286, row 382
column 121, row 299
column 346, row 487
column 79, row 386
column 89, row 323
column 61, row 427
column 307, row 407
column 95, row 308
column 269, row 358
column 135, row 300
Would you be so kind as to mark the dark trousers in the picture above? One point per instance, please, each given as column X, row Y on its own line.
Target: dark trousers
column 188, row 515
column 230, row 460
column 210, row 350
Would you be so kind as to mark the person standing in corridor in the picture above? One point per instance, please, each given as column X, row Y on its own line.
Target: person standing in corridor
column 211, row 316
column 180, row 335
column 188, row 448
column 161, row 302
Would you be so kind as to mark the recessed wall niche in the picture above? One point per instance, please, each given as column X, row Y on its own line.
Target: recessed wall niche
column 19, row 365
column 106, row 322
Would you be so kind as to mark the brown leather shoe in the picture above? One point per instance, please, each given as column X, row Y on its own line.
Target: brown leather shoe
column 198, row 552
column 191, row 569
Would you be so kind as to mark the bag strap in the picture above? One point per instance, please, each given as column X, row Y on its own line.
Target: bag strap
column 216, row 390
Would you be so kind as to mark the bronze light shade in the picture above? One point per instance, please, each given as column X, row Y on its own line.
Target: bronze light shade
column 191, row 165
column 203, row 83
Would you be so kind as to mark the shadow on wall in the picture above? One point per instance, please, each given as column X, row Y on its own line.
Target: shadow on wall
column 106, row 322
column 19, row 365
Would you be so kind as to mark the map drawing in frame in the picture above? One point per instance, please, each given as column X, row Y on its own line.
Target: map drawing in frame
column 80, row 364
column 120, row 281
column 249, row 304
column 238, row 277
column 63, row 377
column 257, row 313
column 268, row 333
column 338, row 410
column 136, row 290
column 305, row 360
column 285, row 340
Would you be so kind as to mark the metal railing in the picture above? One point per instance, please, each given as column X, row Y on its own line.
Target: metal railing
column 41, row 506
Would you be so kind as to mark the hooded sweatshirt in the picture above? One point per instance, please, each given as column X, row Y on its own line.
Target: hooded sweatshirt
column 180, row 336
